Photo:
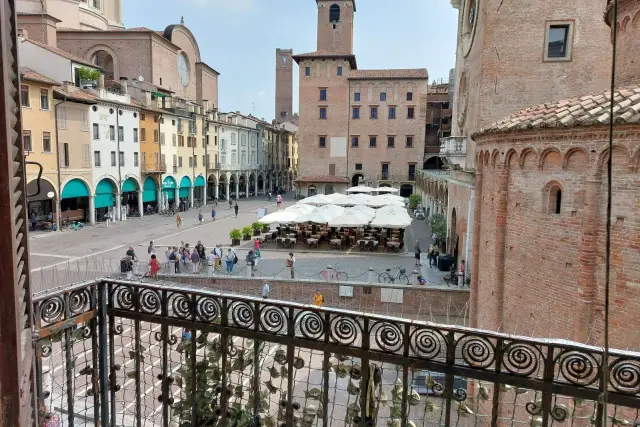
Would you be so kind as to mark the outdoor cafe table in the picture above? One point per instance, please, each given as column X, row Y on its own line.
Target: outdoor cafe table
column 312, row 242
column 393, row 245
column 336, row 243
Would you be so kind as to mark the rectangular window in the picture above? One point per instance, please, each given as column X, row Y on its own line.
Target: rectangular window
column 156, row 136
column 332, row 169
column 383, row 96
column 372, row 141
column 356, row 113
column 558, row 41
column 409, row 96
column 173, row 122
column 112, row 132
column 307, row 71
column 356, row 97
column 24, row 96
column 113, row 158
column 392, row 112
column 143, row 135
column 385, row 171
column 180, row 161
column 46, row 142
column 175, row 160
column 143, row 117
column 195, row 161
column 61, row 117
column 323, row 113
column 174, row 139
column 409, row 142
column 391, row 141
column 96, row 159
column 410, row 112
column 121, row 158
column 355, row 140
column 180, row 141
column 26, row 140
column 120, row 133
column 412, row 171
column 322, row 141
column 323, row 94
column 44, row 99
column 135, row 159
column 84, row 126
column 358, row 166
column 96, row 131
column 135, row 134
column 374, row 113
column 339, row 71
column 190, row 162
column 65, row 155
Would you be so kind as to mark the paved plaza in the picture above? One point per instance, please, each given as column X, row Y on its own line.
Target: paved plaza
column 65, row 257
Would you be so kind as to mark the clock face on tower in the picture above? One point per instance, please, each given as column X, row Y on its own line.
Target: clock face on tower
column 469, row 23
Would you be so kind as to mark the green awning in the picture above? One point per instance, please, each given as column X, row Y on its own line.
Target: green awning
column 161, row 95
column 199, row 182
column 129, row 186
column 150, row 193
column 168, row 183
column 185, row 182
column 150, row 184
column 75, row 188
column 184, row 192
column 104, row 194
column 170, row 192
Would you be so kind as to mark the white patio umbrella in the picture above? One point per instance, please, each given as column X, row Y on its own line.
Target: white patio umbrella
column 351, row 219
column 279, row 217
column 392, row 197
column 361, row 189
column 391, row 217
column 300, row 208
column 318, row 200
column 360, row 199
column 321, row 215
column 338, row 199
column 360, row 209
column 387, row 190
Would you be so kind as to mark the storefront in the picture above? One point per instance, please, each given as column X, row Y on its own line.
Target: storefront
column 168, row 191
column 130, row 196
column 74, row 201
column 104, row 200
column 150, row 193
column 198, row 189
column 41, row 204
column 185, row 188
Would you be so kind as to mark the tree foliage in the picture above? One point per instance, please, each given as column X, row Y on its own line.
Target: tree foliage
column 438, row 224
column 414, row 201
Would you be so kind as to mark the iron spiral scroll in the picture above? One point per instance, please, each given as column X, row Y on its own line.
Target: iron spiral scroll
column 312, row 325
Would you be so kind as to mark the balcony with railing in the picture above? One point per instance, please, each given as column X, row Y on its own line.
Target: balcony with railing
column 153, row 167
column 397, row 177
column 120, row 353
column 453, row 150
column 213, row 166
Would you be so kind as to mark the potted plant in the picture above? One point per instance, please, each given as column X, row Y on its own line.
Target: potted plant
column 235, row 236
column 257, row 228
column 265, row 228
column 246, row 232
column 414, row 201
column 88, row 77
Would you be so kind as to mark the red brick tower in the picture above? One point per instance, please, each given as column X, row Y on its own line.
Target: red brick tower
column 284, row 85
column 335, row 25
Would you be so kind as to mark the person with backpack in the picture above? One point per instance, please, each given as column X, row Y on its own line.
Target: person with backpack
column 173, row 259
column 230, row 259
column 195, row 261
column 251, row 261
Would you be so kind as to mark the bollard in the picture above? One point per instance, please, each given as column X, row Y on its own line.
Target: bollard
column 249, row 270
column 460, row 278
column 330, row 274
column 414, row 277
column 372, row 275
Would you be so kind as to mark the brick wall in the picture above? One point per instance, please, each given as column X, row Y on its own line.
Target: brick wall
column 336, row 37
column 417, row 302
column 284, row 84
column 551, row 279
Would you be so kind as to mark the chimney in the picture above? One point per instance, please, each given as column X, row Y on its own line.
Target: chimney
column 205, row 105
column 147, row 98
column 628, row 41
column 124, row 86
column 101, row 82
column 69, row 87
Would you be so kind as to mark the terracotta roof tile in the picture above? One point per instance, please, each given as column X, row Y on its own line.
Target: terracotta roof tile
column 330, row 179
column 406, row 73
column 582, row 111
column 29, row 74
column 319, row 54
column 78, row 95
column 63, row 53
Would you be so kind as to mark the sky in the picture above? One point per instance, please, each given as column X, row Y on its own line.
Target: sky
column 238, row 38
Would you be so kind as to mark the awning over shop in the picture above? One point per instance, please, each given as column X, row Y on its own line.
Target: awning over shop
column 129, row 186
column 150, row 190
column 169, row 187
column 75, row 188
column 199, row 182
column 104, row 194
column 184, row 191
column 185, row 182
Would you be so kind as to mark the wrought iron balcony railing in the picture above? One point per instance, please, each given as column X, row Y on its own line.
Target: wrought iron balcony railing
column 153, row 167
column 129, row 354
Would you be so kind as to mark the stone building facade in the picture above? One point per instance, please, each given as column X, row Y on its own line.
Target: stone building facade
column 539, row 247
column 87, row 15
column 562, row 51
column 361, row 126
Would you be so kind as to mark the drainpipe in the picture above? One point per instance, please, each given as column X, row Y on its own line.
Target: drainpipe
column 59, row 189
column 159, row 161
column 348, row 130
column 118, row 195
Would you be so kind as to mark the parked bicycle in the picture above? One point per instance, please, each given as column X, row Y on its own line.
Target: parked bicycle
column 72, row 225
column 198, row 203
column 452, row 278
column 334, row 274
column 399, row 277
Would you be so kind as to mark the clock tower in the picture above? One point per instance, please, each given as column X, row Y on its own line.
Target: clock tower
column 335, row 25
column 284, row 85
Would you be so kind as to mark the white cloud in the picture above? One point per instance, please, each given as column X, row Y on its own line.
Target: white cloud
column 233, row 5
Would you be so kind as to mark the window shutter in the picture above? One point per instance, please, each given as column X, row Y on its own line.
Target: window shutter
column 61, row 153
column 86, row 156
column 161, row 138
column 17, row 355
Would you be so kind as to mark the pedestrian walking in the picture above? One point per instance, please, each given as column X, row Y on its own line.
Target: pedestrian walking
column 200, row 217
column 34, row 220
column 230, row 260
column 154, row 267
column 151, row 249
column 269, row 195
column 251, row 261
column 461, row 271
column 178, row 220
column 265, row 290
column 230, row 203
column 195, row 261
column 132, row 253
column 107, row 219
column 431, row 253
column 235, row 208
column 278, row 200
column 217, row 251
column 213, row 214
column 173, row 258
column 417, row 251
column 256, row 248
column 291, row 262
column 318, row 299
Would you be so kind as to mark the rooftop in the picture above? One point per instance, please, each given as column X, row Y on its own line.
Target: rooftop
column 402, row 73
column 328, row 179
column 76, row 95
column 587, row 110
column 29, row 74
column 327, row 54
column 64, row 54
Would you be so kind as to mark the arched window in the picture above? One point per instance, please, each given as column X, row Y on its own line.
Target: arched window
column 312, row 191
column 334, row 13
column 557, row 199
column 553, row 196
column 329, row 189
